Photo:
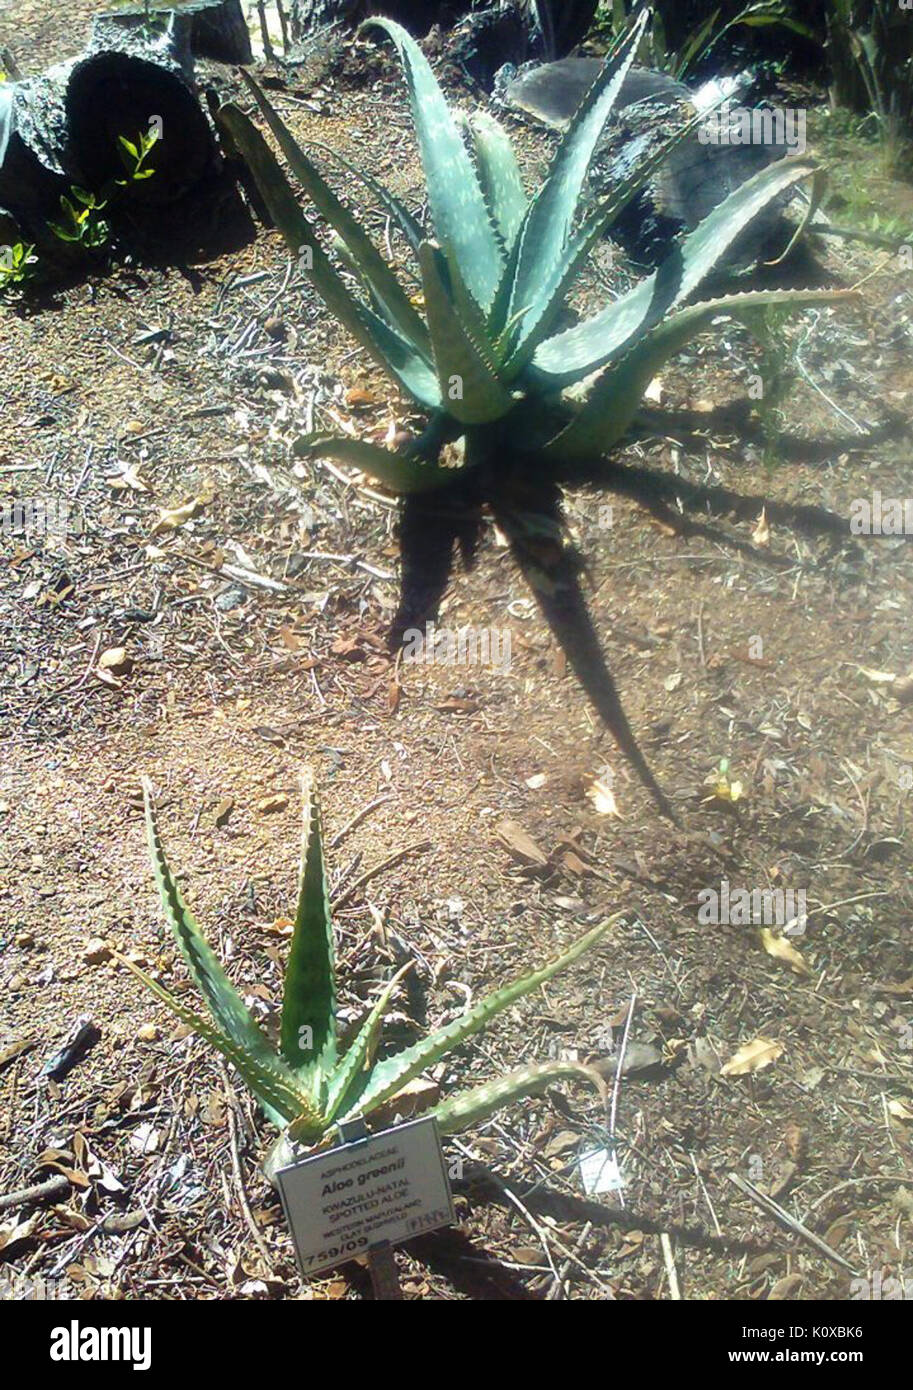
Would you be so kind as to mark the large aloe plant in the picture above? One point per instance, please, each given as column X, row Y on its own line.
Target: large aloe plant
column 529, row 402
column 305, row 1086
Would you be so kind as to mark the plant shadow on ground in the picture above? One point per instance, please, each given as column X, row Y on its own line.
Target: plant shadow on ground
column 434, row 530
column 201, row 228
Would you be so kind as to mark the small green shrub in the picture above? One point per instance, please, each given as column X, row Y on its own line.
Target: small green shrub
column 305, row 1086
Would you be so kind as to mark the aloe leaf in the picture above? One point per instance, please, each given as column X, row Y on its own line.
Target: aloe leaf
column 391, row 1075
column 397, row 472
column 225, row 1004
column 467, row 377
column 276, row 1093
column 394, row 353
column 308, row 1030
column 470, row 1107
column 615, row 397
column 378, row 274
column 455, row 195
column 359, row 1055
column 530, row 334
column 582, row 349
column 409, row 225
column 695, row 44
column 819, row 188
column 499, row 173
column 552, row 213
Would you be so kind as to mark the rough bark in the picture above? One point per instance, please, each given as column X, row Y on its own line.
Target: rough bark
column 209, row 28
column 565, row 22
column 61, row 127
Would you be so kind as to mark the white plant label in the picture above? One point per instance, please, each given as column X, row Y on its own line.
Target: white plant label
column 382, row 1189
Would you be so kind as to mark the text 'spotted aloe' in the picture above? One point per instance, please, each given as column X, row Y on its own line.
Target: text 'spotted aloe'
column 305, row 1086
column 527, row 403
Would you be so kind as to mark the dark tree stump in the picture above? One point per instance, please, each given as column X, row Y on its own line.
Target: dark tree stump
column 61, row 128
column 111, row 94
column 207, row 28
column 552, row 28
column 33, row 170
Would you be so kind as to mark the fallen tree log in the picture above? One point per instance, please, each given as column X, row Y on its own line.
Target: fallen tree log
column 213, row 29
column 552, row 28
column 60, row 129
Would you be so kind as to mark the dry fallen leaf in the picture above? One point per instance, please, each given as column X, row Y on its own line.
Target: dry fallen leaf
column 878, row 677
column 752, row 1056
column 271, row 804
column 116, row 660
column 899, row 1110
column 782, row 949
column 521, row 845
column 785, row 1288
column 128, row 478
column 173, row 517
column 903, row 689
column 796, row 1141
column 761, row 533
column 603, row 797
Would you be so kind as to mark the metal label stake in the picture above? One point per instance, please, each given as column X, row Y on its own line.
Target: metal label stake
column 381, row 1263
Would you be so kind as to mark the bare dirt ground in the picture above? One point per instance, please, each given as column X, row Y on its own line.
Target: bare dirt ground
column 233, row 686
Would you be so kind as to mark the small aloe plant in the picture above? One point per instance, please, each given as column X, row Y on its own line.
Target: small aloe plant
column 528, row 403
column 305, row 1085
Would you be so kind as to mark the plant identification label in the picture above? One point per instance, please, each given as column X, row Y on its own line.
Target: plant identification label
column 384, row 1188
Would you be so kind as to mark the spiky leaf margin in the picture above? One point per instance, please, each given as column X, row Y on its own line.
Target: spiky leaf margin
column 391, row 1075
column 309, row 996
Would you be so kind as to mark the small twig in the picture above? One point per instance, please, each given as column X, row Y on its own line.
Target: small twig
column 864, row 806
column 236, row 1169
column 357, row 819
column 675, row 1292
column 616, row 1088
column 502, row 1187
column 54, row 1187
column 557, row 1289
column 846, row 902
column 388, row 863
column 813, row 324
column 264, row 33
column 75, row 684
column 85, row 468
column 700, row 635
column 703, row 1186
column 283, row 25
column 860, row 1182
column 779, row 1214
